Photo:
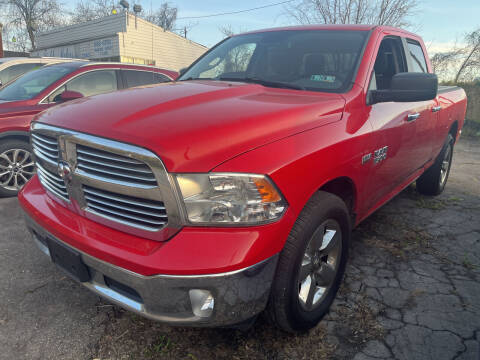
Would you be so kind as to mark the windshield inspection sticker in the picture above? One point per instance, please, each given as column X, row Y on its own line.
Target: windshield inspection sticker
column 326, row 78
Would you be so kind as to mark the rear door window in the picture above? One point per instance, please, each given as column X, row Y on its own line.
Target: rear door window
column 138, row 78
column 94, row 83
column 418, row 63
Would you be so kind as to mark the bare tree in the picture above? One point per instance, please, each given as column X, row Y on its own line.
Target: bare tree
column 165, row 16
column 442, row 62
column 29, row 16
column 86, row 10
column 378, row 12
column 15, row 40
column 470, row 65
column 226, row 30
column 461, row 63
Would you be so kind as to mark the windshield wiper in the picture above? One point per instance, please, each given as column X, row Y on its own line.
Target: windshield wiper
column 264, row 82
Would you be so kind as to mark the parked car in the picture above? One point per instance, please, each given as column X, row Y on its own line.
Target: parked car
column 234, row 190
column 13, row 67
column 38, row 90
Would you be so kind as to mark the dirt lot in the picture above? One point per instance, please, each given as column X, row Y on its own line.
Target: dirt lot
column 412, row 291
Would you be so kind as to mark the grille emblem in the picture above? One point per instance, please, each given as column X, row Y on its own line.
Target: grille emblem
column 64, row 171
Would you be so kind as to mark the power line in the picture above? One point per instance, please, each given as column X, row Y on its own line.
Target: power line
column 234, row 12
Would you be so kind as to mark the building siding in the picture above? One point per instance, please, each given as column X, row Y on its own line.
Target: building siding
column 120, row 36
column 148, row 41
column 92, row 49
column 68, row 35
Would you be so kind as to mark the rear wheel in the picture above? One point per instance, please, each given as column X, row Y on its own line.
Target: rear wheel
column 16, row 166
column 311, row 265
column 434, row 179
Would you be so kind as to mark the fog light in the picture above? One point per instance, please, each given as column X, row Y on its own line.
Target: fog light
column 202, row 302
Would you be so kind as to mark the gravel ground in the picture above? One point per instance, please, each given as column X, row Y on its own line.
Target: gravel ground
column 412, row 291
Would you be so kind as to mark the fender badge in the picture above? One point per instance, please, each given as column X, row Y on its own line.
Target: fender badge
column 366, row 158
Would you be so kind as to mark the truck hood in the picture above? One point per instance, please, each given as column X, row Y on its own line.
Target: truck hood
column 196, row 125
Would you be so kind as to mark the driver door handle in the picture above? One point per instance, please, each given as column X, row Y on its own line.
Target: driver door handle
column 436, row 108
column 412, row 117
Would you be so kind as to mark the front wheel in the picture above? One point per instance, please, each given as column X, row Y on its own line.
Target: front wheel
column 434, row 179
column 16, row 166
column 311, row 265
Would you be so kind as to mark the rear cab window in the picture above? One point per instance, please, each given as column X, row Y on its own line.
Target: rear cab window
column 418, row 63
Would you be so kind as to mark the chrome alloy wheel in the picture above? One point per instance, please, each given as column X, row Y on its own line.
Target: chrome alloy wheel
column 320, row 264
column 16, row 168
column 447, row 160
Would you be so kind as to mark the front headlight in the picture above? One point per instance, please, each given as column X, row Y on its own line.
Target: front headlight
column 218, row 198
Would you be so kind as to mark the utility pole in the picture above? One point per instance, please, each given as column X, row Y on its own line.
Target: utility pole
column 1, row 41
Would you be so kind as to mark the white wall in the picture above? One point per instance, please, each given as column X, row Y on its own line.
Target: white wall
column 117, row 35
column 92, row 49
column 169, row 50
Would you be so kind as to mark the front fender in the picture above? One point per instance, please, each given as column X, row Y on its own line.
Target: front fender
column 300, row 165
column 9, row 134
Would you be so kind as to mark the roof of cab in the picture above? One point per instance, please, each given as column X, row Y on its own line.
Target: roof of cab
column 339, row 27
column 316, row 27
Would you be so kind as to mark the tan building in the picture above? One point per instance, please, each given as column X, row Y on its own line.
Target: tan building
column 122, row 38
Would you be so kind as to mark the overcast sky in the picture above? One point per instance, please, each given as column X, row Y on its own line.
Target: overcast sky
column 440, row 22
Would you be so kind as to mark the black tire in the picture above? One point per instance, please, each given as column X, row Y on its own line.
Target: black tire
column 433, row 180
column 13, row 177
column 285, row 307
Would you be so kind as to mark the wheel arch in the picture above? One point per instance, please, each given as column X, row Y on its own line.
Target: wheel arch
column 15, row 135
column 454, row 130
column 343, row 187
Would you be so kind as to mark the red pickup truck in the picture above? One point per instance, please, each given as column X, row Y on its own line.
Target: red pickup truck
column 234, row 190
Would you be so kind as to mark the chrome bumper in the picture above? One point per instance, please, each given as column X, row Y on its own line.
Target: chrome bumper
column 178, row 300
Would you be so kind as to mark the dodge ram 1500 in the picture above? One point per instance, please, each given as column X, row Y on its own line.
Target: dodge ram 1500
column 234, row 190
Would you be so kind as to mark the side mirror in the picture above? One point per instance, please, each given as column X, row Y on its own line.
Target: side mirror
column 407, row 87
column 68, row 95
column 182, row 71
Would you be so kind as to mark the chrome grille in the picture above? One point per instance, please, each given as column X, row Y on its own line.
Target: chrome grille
column 52, row 182
column 45, row 147
column 138, row 212
column 115, row 168
column 122, row 186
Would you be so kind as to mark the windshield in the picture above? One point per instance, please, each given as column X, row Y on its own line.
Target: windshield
column 32, row 83
column 319, row 60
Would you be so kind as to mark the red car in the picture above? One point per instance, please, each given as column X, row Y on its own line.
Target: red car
column 233, row 190
column 41, row 89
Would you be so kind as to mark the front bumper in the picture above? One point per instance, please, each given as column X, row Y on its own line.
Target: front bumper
column 238, row 295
